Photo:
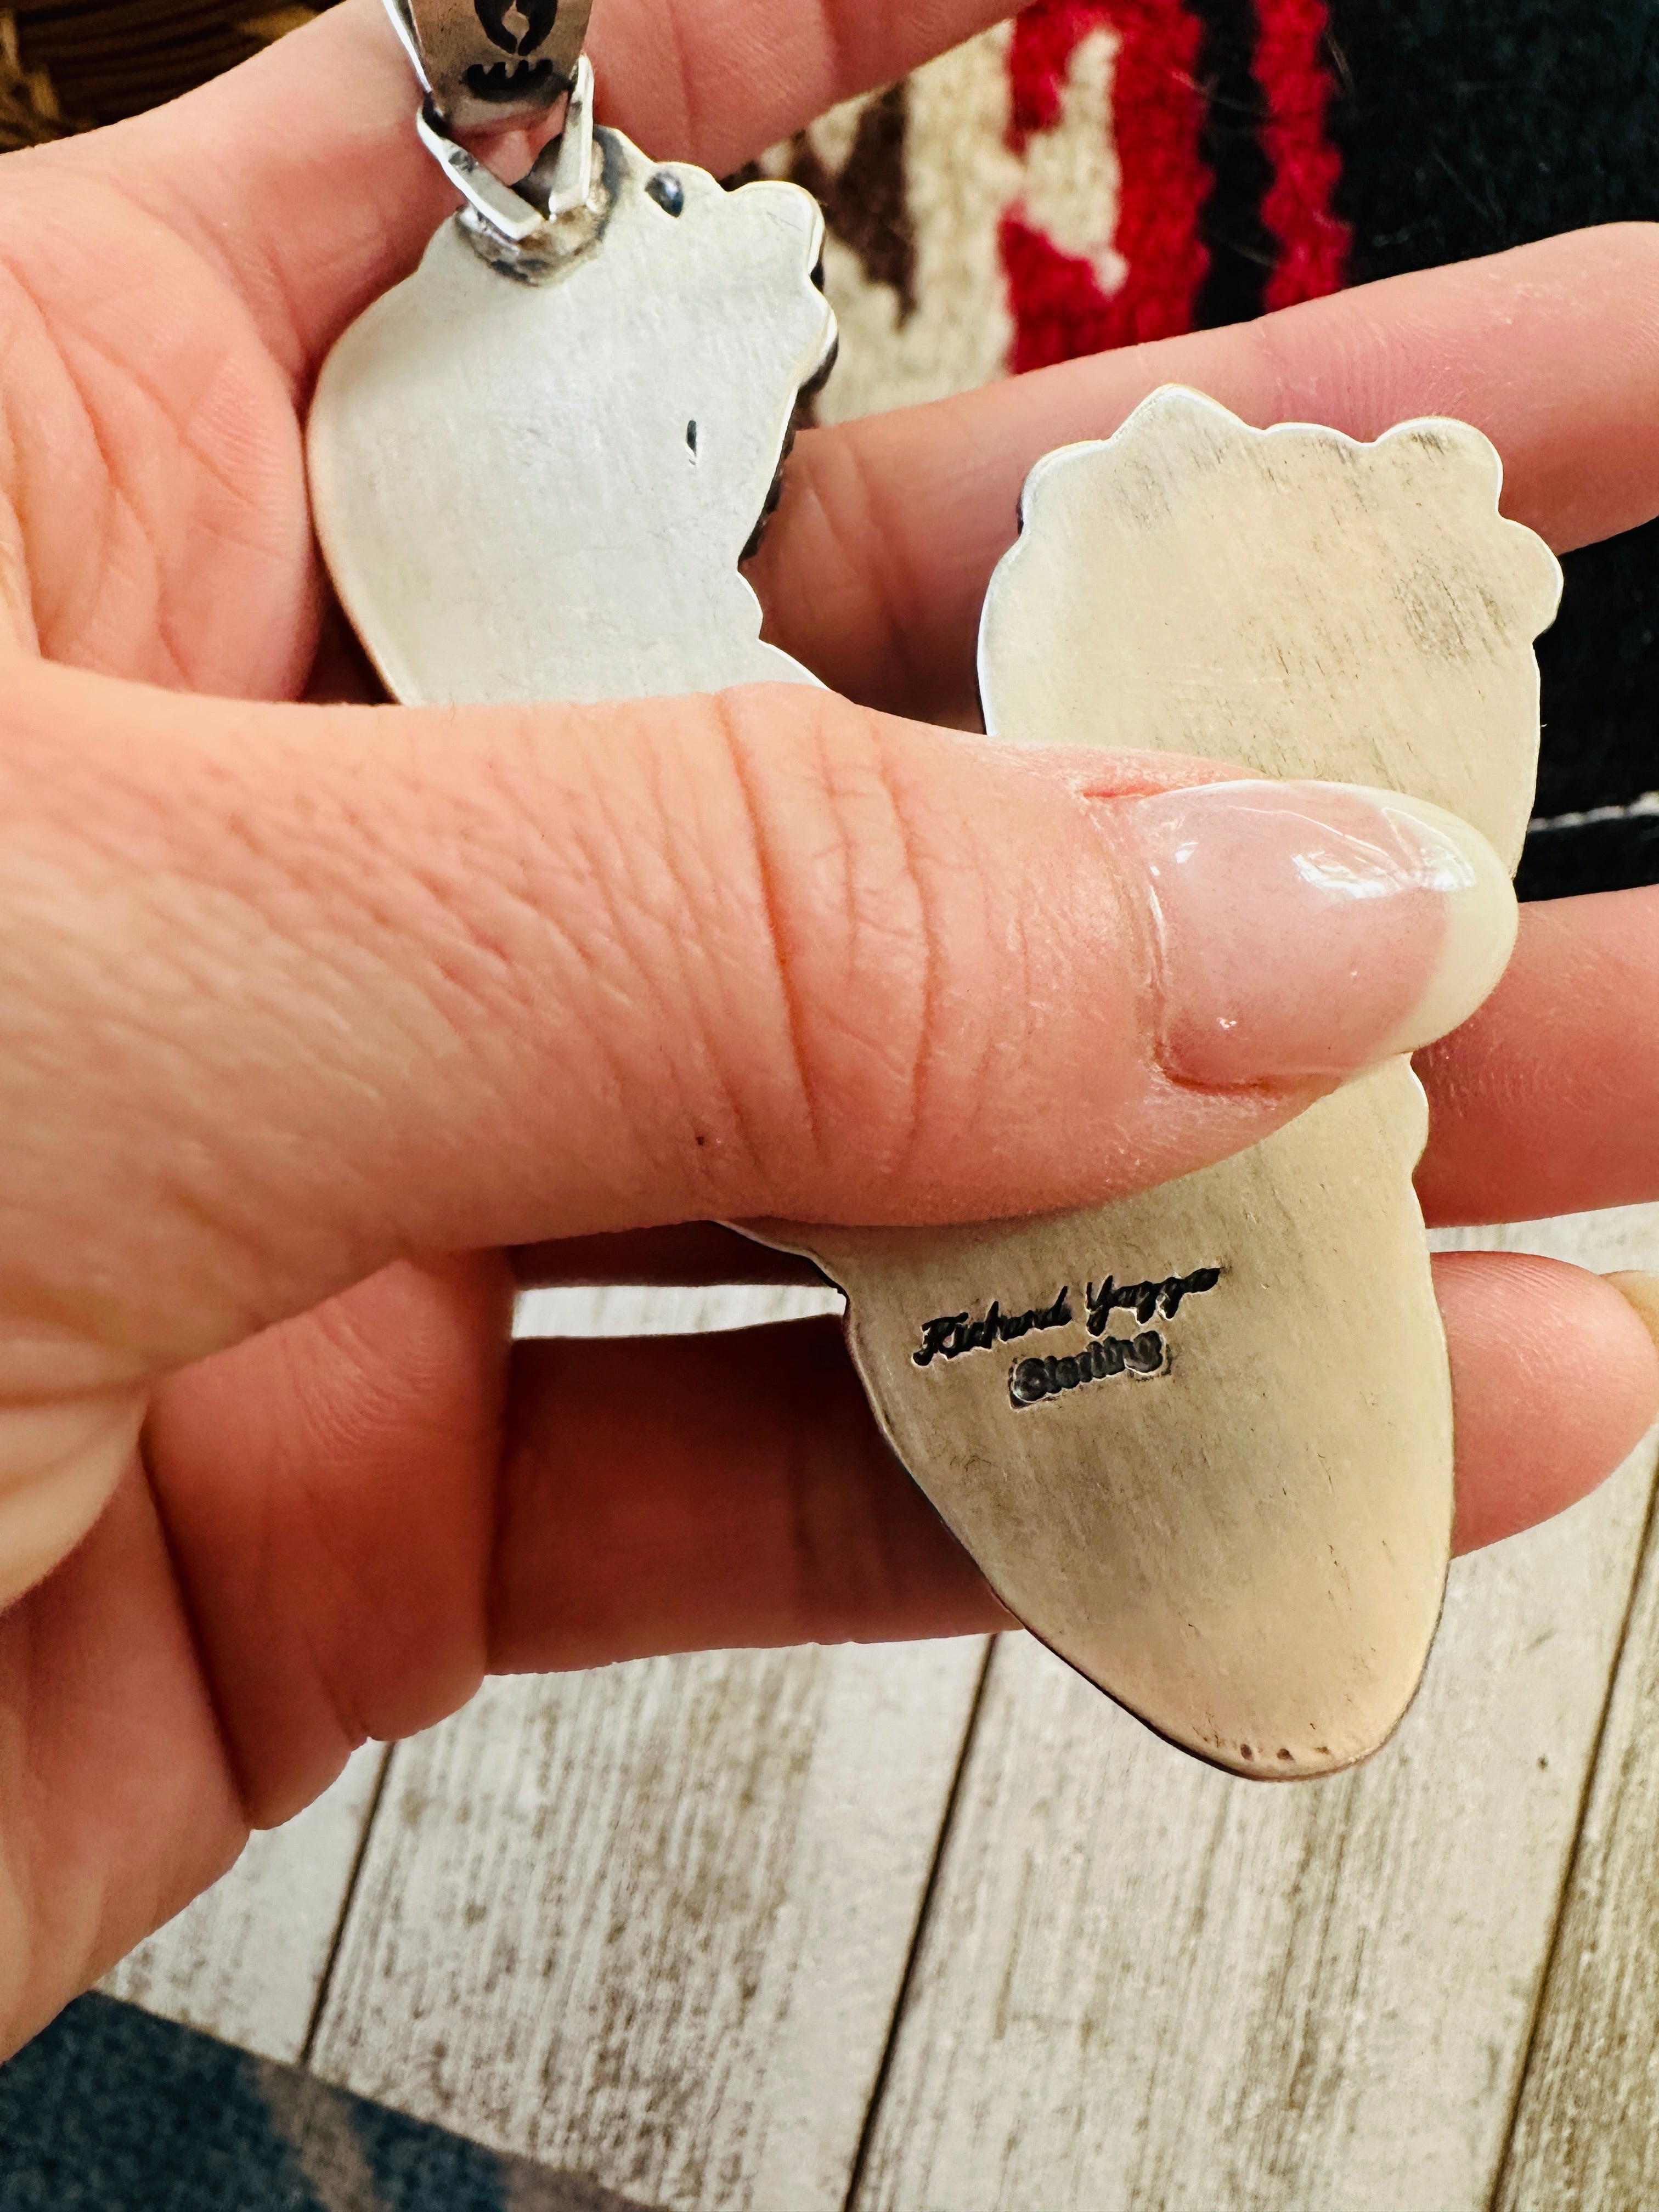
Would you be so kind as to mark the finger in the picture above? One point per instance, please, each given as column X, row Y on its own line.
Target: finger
column 1555, row 1381
column 1543, row 1102
column 369, row 981
column 63, row 1456
column 300, row 176
column 687, row 1494
column 876, row 568
column 116, row 1807
column 335, row 1493
column 327, row 1492
column 727, row 1491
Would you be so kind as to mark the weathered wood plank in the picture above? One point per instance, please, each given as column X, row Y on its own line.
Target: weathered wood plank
column 245, row 1962
column 1143, row 1985
column 1584, row 2138
column 631, row 1309
column 649, row 1926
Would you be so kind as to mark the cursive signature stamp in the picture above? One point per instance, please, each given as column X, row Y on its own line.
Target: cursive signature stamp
column 950, row 1335
column 1146, row 1301
column 954, row 1336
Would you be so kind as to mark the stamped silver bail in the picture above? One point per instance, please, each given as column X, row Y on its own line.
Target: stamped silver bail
column 493, row 65
column 489, row 64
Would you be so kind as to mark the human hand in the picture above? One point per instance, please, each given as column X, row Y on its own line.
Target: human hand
column 313, row 1015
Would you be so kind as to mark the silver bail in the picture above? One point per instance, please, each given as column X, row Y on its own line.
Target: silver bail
column 489, row 65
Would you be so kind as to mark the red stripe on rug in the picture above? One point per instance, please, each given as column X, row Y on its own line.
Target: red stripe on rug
column 1059, row 308
column 1289, row 67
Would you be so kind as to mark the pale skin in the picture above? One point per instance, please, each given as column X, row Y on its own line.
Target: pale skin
column 321, row 1025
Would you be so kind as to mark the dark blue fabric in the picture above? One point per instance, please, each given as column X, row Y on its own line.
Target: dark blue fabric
column 111, row 2110
column 1466, row 126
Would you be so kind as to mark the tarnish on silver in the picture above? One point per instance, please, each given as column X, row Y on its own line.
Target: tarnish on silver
column 488, row 64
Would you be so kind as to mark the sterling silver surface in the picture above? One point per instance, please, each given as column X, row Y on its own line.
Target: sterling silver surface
column 536, row 464
column 485, row 64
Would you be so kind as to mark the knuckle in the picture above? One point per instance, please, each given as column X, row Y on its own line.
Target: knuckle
column 756, row 904
column 863, row 903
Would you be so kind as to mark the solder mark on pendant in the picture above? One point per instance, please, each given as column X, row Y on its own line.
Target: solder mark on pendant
column 693, row 439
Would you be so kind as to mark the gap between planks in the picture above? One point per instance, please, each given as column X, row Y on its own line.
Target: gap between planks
column 649, row 1927
column 1584, row 2136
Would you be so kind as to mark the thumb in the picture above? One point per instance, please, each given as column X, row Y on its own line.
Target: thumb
column 288, row 992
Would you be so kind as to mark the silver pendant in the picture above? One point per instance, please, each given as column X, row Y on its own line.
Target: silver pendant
column 537, row 464
column 1199, row 1441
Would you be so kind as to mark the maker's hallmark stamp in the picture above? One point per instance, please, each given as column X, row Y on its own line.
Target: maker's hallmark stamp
column 1034, row 1380
column 953, row 1336
column 1146, row 1301
column 949, row 1336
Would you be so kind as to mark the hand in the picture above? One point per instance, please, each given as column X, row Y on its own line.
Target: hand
column 310, row 1015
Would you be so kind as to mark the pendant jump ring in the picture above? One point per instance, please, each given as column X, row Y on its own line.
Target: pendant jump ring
column 488, row 64
column 557, row 185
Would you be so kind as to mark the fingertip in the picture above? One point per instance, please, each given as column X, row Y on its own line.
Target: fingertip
column 1555, row 1381
column 1306, row 930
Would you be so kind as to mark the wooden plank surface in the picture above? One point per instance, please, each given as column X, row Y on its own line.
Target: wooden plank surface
column 1144, row 1984
column 631, row 1309
column 1585, row 2136
column 245, row 1961
column 649, row 1926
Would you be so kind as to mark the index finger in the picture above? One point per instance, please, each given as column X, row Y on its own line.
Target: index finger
column 875, row 570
